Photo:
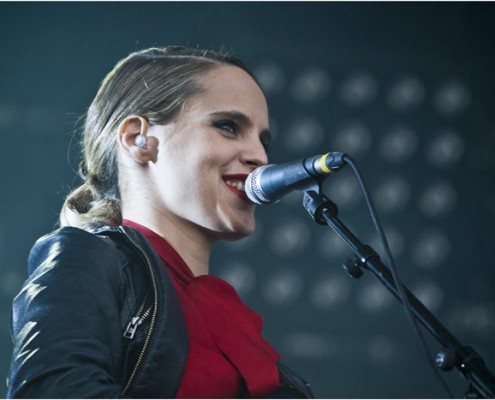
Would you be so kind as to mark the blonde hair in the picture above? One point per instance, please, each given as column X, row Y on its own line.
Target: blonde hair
column 153, row 83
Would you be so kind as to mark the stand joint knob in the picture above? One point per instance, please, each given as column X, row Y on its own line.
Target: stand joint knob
column 353, row 268
column 446, row 360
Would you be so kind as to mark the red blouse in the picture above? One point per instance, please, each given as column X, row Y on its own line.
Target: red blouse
column 227, row 354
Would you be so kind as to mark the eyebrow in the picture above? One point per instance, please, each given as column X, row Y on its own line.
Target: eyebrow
column 265, row 134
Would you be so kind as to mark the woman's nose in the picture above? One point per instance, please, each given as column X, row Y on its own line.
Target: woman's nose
column 254, row 154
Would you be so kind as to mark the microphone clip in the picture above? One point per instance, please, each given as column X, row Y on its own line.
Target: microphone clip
column 316, row 204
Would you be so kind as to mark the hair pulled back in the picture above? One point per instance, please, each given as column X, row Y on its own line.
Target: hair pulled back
column 153, row 83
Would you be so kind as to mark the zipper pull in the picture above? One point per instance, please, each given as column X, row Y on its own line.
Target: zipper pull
column 130, row 331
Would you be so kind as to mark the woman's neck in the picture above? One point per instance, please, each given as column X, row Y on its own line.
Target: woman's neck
column 193, row 245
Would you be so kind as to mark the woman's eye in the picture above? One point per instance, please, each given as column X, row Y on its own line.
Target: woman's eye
column 227, row 125
column 266, row 145
column 266, row 141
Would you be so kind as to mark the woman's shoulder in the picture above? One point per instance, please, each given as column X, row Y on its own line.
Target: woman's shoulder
column 72, row 246
column 70, row 233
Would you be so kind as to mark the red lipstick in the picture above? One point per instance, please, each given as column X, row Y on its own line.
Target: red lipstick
column 235, row 183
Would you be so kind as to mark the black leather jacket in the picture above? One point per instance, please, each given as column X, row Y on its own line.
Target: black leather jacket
column 99, row 317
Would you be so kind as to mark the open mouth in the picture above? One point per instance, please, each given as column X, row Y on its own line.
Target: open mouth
column 236, row 184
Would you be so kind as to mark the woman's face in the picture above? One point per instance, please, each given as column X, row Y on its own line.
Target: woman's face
column 206, row 154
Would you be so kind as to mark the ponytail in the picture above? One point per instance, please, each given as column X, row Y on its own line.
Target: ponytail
column 89, row 206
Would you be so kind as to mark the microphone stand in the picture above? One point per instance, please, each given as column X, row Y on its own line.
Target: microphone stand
column 454, row 354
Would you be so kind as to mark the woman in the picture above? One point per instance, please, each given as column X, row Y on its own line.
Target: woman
column 119, row 302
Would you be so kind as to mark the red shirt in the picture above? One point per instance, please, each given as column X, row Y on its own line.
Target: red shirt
column 227, row 354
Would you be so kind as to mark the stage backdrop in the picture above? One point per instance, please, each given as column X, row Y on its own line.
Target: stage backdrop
column 405, row 89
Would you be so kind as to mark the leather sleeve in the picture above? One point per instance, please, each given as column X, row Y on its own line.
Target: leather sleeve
column 65, row 321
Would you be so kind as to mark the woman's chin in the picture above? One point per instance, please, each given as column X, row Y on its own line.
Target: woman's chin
column 237, row 232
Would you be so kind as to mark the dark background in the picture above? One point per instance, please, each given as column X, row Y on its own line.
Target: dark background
column 405, row 88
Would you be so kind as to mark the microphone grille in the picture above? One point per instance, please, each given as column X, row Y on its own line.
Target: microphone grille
column 253, row 187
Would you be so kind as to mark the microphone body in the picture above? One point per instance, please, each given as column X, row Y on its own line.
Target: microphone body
column 269, row 183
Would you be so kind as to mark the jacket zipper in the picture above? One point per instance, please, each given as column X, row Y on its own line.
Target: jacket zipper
column 138, row 320
column 135, row 321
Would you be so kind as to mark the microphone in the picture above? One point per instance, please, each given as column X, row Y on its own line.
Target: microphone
column 269, row 183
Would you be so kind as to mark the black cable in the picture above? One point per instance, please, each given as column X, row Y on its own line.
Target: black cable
column 394, row 270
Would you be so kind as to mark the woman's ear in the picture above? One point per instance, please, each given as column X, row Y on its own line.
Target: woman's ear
column 134, row 141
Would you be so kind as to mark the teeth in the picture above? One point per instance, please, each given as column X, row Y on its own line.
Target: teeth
column 236, row 184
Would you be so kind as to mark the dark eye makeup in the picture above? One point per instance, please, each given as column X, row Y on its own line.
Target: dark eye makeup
column 231, row 128
column 226, row 125
column 266, row 140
